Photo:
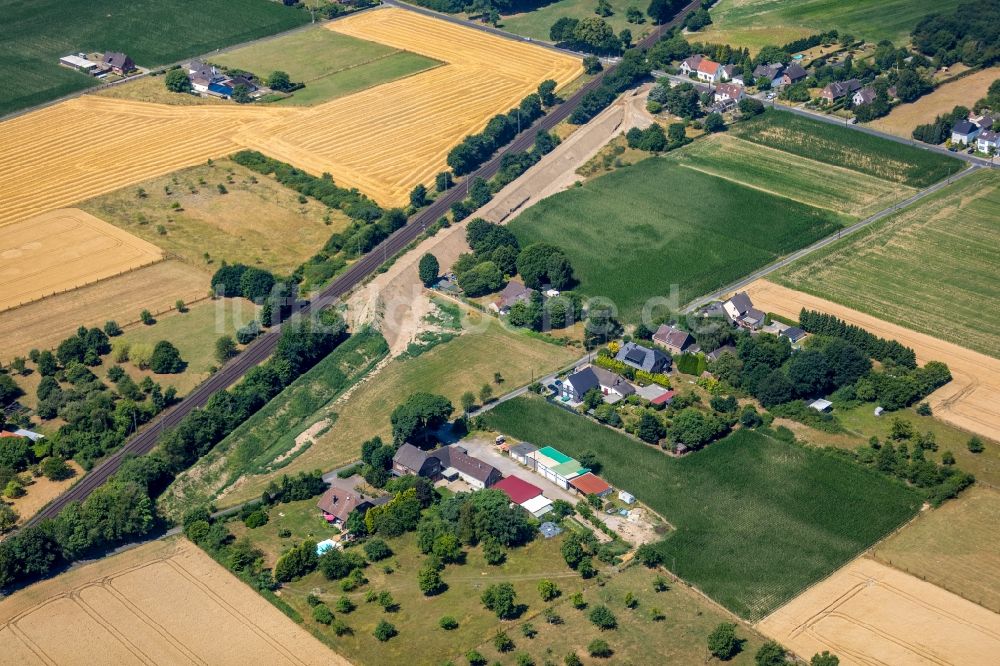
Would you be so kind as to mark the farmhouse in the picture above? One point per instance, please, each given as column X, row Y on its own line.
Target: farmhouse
column 80, row 63
column 728, row 93
column 741, row 312
column 987, row 141
column 119, row 63
column 457, row 463
column 409, row 460
column 792, row 75
column 340, row 500
column 517, row 489
column 591, row 484
column 965, row 132
column 838, row 89
column 674, row 339
column 556, row 466
column 863, row 96
column 643, row 358
column 514, row 292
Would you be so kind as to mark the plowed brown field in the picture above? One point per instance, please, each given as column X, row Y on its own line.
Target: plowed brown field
column 971, row 400
column 383, row 140
column 165, row 602
column 870, row 614
column 64, row 249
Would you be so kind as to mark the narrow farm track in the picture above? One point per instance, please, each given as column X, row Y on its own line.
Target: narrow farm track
column 261, row 349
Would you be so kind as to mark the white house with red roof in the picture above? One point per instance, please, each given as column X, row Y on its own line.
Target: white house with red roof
column 705, row 69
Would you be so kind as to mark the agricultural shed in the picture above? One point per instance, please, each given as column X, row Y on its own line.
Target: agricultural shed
column 517, row 489
column 538, row 506
column 664, row 399
column 591, row 484
column 626, row 497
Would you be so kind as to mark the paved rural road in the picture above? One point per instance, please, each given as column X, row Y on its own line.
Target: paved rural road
column 261, row 349
column 857, row 226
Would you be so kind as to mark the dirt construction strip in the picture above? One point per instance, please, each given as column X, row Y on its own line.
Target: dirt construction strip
column 872, row 615
column 165, row 602
column 971, row 401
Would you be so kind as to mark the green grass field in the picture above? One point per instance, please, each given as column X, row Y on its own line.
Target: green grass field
column 638, row 640
column 34, row 35
column 850, row 149
column 757, row 519
column 329, row 63
column 788, row 175
column 633, row 233
column 931, row 268
column 536, row 23
column 755, row 23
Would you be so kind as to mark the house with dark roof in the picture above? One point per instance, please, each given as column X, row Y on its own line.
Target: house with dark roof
column 792, row 74
column 119, row 63
column 988, row 140
column 520, row 452
column 410, row 460
column 741, row 312
column 715, row 354
column 340, row 500
column 793, row 333
column 965, row 132
column 457, row 463
column 690, row 64
column 674, row 339
column 643, row 358
column 838, row 89
column 612, row 384
column 771, row 72
column 514, row 292
column 863, row 96
column 577, row 384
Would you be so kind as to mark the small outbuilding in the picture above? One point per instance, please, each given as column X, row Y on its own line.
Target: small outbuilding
column 628, row 498
column 520, row 452
column 591, row 484
column 517, row 489
column 537, row 506
column 821, row 405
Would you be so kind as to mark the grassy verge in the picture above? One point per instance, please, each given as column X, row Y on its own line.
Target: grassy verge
column 757, row 519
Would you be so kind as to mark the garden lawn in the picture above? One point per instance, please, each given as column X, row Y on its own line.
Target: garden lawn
column 34, row 35
column 331, row 64
column 757, row 519
column 537, row 22
column 632, row 234
column 842, row 147
column 931, row 268
column 755, row 23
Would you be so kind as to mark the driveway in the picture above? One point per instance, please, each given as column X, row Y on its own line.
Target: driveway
column 487, row 451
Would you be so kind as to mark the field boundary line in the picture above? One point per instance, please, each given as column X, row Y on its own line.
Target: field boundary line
column 76, row 597
column 832, row 238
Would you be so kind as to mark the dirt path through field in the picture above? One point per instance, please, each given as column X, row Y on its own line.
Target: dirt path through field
column 971, row 401
column 872, row 615
column 395, row 299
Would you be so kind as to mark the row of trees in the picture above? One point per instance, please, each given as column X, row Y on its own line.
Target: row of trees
column 632, row 68
column 475, row 149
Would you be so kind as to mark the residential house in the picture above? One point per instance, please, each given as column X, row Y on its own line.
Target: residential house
column 520, row 452
column 690, row 64
column 340, row 500
column 863, row 96
column 728, row 72
column 457, row 463
column 771, row 72
column 834, row 91
column 710, row 71
column 792, row 74
column 793, row 333
column 514, row 292
column 409, row 460
column 674, row 339
column 119, row 63
column 643, row 358
column 985, row 121
column 608, row 383
column 714, row 355
column 988, row 140
column 729, row 93
column 965, row 132
column 591, row 484
column 517, row 489
column 612, row 385
column 741, row 312
column 556, row 466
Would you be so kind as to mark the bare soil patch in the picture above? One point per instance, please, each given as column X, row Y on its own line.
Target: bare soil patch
column 163, row 602
column 971, row 401
column 42, row 491
column 868, row 613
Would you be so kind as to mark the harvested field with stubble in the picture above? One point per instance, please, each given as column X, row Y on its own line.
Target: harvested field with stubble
column 383, row 140
column 870, row 614
column 963, row 92
column 63, row 249
column 788, row 175
column 164, row 602
column 970, row 401
column 954, row 547
column 45, row 323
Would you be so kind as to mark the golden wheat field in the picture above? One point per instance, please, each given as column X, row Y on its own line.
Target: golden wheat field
column 164, row 602
column 383, row 140
column 64, row 249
